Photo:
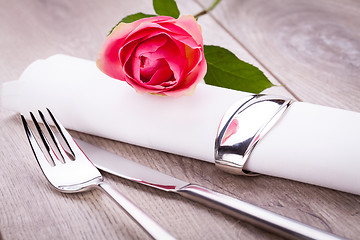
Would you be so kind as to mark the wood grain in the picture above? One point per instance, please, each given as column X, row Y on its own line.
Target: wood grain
column 312, row 47
column 30, row 209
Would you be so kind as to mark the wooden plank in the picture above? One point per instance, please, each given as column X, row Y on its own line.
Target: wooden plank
column 312, row 47
column 30, row 209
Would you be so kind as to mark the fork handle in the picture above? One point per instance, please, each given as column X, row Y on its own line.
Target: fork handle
column 148, row 224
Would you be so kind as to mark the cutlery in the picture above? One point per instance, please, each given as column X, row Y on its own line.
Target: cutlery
column 117, row 165
column 73, row 172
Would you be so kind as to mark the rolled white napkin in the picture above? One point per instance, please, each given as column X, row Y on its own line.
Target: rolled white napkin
column 312, row 144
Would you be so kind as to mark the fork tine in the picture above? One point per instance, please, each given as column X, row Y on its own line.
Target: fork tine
column 39, row 154
column 57, row 143
column 74, row 148
column 48, row 147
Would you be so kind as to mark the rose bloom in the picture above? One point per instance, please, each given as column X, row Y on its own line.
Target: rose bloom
column 159, row 55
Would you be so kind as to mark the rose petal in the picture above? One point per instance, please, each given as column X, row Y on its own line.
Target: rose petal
column 188, row 85
column 108, row 59
column 132, row 52
column 180, row 34
column 151, row 67
column 194, row 57
column 128, row 68
column 124, row 29
column 150, row 45
column 143, row 30
column 188, row 23
column 172, row 54
column 162, row 77
column 169, row 36
column 135, row 64
column 149, row 83
column 151, row 29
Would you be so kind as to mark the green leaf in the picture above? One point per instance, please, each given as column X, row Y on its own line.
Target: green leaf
column 132, row 18
column 166, row 8
column 136, row 16
column 225, row 70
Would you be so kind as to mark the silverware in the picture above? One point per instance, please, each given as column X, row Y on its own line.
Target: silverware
column 73, row 172
column 265, row 219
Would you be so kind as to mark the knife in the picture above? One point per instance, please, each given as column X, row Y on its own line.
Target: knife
column 124, row 168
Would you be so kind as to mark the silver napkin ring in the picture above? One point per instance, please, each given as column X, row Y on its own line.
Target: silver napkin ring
column 242, row 127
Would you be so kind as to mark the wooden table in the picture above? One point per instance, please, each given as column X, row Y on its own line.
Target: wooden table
column 310, row 48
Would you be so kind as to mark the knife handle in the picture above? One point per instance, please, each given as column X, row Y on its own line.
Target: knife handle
column 260, row 217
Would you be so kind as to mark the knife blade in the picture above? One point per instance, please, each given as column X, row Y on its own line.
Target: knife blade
column 124, row 168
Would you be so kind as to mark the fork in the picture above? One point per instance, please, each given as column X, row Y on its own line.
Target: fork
column 72, row 172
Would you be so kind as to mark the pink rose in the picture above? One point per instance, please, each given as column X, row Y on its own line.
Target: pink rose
column 160, row 55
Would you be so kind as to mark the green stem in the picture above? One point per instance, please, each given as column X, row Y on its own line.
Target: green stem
column 207, row 10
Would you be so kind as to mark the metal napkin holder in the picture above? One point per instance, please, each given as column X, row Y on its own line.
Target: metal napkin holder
column 242, row 127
